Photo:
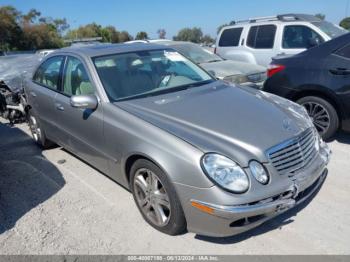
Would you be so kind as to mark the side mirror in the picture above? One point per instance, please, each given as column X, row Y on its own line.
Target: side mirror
column 84, row 101
column 313, row 42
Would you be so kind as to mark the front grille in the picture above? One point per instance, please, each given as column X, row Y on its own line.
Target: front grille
column 295, row 154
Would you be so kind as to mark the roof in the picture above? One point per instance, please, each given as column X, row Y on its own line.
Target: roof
column 106, row 49
column 283, row 18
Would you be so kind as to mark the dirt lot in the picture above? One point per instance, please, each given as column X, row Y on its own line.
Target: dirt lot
column 52, row 203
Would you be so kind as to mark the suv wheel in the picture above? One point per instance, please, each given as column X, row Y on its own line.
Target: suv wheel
column 156, row 198
column 323, row 115
column 37, row 131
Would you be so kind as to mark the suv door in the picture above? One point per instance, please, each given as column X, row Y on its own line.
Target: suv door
column 81, row 130
column 297, row 38
column 338, row 68
column 261, row 42
column 42, row 90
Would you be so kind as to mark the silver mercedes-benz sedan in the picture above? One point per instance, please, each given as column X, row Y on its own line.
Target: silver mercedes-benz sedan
column 196, row 153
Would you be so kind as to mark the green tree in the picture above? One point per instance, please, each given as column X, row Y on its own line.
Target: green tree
column 40, row 36
column 207, row 39
column 10, row 31
column 161, row 33
column 345, row 23
column 189, row 34
column 108, row 33
column 124, row 36
column 86, row 31
column 61, row 25
column 29, row 31
column 141, row 36
column 31, row 16
column 321, row 16
column 113, row 34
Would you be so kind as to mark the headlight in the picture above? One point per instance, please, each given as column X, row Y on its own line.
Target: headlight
column 259, row 172
column 236, row 79
column 225, row 173
column 258, row 77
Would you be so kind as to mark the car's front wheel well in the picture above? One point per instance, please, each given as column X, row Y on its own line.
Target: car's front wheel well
column 319, row 94
column 131, row 161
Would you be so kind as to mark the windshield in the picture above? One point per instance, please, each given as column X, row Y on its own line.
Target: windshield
column 197, row 54
column 330, row 29
column 146, row 73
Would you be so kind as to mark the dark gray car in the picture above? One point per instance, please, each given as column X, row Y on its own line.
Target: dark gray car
column 197, row 153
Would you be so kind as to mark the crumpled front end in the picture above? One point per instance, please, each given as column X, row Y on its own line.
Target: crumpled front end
column 14, row 69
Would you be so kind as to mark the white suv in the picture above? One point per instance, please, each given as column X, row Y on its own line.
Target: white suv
column 258, row 40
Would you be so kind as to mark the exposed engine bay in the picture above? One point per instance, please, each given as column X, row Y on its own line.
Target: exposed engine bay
column 14, row 71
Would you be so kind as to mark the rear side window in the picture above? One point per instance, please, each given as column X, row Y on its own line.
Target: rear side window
column 344, row 51
column 230, row 37
column 48, row 72
column 299, row 36
column 261, row 37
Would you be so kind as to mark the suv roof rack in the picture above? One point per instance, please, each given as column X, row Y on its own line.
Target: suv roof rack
column 283, row 17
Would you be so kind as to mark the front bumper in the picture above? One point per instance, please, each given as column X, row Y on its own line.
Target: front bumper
column 227, row 220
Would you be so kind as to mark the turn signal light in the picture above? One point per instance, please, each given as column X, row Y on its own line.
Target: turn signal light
column 203, row 208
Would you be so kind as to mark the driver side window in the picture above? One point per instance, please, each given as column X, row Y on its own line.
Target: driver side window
column 76, row 80
column 299, row 37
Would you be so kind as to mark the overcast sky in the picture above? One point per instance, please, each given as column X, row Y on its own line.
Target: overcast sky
column 172, row 15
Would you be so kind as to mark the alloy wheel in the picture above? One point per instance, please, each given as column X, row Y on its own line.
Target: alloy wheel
column 152, row 197
column 34, row 128
column 319, row 115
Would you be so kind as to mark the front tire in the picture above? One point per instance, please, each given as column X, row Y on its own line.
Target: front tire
column 156, row 198
column 323, row 115
column 37, row 131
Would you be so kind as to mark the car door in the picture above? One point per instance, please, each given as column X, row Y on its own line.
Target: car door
column 261, row 43
column 297, row 38
column 41, row 92
column 81, row 130
column 338, row 68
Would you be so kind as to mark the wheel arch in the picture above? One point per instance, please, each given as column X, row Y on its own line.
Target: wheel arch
column 132, row 158
column 322, row 92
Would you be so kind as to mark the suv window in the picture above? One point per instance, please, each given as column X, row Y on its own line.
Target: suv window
column 48, row 73
column 299, row 36
column 344, row 51
column 261, row 37
column 230, row 37
column 76, row 80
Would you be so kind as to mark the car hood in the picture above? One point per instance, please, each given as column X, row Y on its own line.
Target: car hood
column 239, row 122
column 228, row 68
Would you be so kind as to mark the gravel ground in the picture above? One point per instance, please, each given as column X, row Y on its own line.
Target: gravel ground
column 53, row 203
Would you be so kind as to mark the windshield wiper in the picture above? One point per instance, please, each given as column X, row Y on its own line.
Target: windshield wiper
column 167, row 90
column 214, row 60
column 200, row 83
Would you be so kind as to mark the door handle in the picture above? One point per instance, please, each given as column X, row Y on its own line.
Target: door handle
column 32, row 94
column 281, row 54
column 340, row 71
column 59, row 107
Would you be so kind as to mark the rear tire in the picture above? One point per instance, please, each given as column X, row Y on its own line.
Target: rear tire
column 38, row 132
column 147, row 193
column 323, row 115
